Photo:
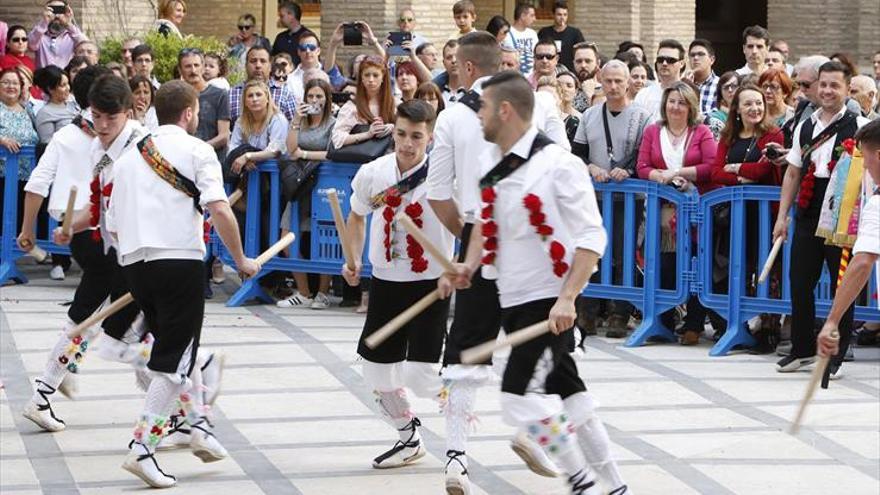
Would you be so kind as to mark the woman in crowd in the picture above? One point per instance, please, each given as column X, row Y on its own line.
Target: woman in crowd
column 171, row 14
column 728, row 83
column 216, row 70
column 16, row 127
column 31, row 103
column 407, row 80
column 500, row 28
column 246, row 37
column 57, row 112
column 373, row 106
column 567, row 90
column 430, row 92
column 76, row 64
column 640, row 75
column 309, row 140
column 16, row 49
column 679, row 151
column 143, row 92
column 261, row 125
column 777, row 88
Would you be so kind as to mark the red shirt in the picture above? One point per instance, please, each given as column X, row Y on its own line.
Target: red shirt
column 9, row 61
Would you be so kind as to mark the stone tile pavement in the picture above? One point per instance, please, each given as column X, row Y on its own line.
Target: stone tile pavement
column 297, row 419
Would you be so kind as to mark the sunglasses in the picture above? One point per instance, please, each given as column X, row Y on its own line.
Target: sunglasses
column 407, row 19
column 18, row 40
column 308, row 47
column 191, row 51
column 667, row 60
column 545, row 56
column 730, row 87
column 243, row 28
column 804, row 85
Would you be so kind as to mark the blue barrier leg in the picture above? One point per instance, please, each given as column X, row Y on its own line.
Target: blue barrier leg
column 250, row 288
column 8, row 256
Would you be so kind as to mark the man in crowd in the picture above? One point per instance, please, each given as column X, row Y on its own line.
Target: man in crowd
column 564, row 35
column 702, row 56
column 309, row 50
column 258, row 67
column 406, row 22
column 427, row 53
column 524, row 37
column 464, row 12
column 815, row 148
column 607, row 140
column 782, row 47
column 546, row 58
column 449, row 81
column 776, row 59
column 756, row 41
column 53, row 38
column 290, row 14
column 668, row 64
column 586, row 67
column 864, row 91
column 88, row 49
column 127, row 46
column 213, row 125
column 142, row 61
column 509, row 58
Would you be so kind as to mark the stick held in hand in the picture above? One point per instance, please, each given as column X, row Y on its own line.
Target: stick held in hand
column 438, row 255
column 101, row 315
column 482, row 352
column 388, row 329
column 815, row 378
column 276, row 248
column 339, row 220
column 67, row 223
column 771, row 258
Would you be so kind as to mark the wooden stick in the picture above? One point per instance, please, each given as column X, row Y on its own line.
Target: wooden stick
column 235, row 196
column 402, row 319
column 100, row 315
column 413, row 230
column 38, row 253
column 815, row 378
column 276, row 248
column 771, row 258
column 480, row 353
column 340, row 228
column 67, row 223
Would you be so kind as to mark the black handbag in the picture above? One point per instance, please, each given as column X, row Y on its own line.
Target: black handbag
column 297, row 178
column 362, row 152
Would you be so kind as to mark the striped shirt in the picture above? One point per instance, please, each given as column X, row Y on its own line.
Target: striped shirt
column 708, row 92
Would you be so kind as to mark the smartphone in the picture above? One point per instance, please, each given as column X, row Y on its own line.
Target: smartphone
column 313, row 109
column 772, row 152
column 58, row 9
column 397, row 38
column 352, row 35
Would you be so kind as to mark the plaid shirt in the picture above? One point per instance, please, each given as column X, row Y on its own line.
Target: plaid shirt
column 708, row 92
column 280, row 94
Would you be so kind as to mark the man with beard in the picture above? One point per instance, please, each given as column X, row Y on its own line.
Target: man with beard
column 53, row 38
column 258, row 67
column 586, row 66
column 668, row 64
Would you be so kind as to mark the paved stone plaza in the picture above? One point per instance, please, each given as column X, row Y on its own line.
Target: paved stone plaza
column 296, row 417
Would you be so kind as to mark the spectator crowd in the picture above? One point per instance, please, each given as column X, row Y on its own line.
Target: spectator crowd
column 666, row 117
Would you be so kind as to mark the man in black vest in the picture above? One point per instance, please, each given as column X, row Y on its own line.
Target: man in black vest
column 815, row 149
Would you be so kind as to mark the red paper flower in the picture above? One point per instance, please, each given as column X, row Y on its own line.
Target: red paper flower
column 387, row 229
column 418, row 221
column 487, row 212
column 532, row 202
column 557, row 251
column 489, row 258
column 849, row 145
column 392, row 201
column 831, row 165
column 490, row 244
column 388, row 214
column 488, row 194
column 419, row 265
column 537, row 218
column 413, row 210
column 490, row 229
column 559, row 268
column 544, row 230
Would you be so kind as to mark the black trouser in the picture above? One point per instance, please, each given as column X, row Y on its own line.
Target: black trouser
column 101, row 277
column 171, row 294
column 808, row 253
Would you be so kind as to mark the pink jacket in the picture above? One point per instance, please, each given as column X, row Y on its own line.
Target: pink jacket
column 700, row 154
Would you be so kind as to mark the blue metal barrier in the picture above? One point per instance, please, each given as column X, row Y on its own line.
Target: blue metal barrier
column 737, row 307
column 9, row 251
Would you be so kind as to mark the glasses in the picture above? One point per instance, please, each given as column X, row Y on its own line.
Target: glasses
column 805, row 84
column 243, row 27
column 190, row 51
column 667, row 60
column 18, row 40
column 308, row 47
column 771, row 87
column 10, row 84
column 730, row 87
column 545, row 56
column 407, row 19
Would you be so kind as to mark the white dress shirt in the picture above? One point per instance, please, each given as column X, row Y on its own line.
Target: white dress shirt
column 152, row 219
column 58, row 169
column 821, row 155
column 868, row 240
column 650, row 98
column 375, row 177
column 522, row 264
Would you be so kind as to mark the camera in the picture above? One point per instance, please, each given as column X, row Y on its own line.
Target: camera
column 773, row 153
column 397, row 38
column 352, row 34
column 58, row 9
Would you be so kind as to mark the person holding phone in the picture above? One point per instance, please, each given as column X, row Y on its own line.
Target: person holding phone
column 55, row 35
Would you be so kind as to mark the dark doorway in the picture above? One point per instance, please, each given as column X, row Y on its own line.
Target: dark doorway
column 722, row 23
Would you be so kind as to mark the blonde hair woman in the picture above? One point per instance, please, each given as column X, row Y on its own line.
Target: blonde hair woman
column 261, row 125
column 171, row 14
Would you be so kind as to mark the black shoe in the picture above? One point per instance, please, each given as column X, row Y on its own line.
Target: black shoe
column 209, row 293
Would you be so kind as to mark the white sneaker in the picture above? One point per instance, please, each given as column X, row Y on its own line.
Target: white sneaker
column 533, row 455
column 204, row 445
column 56, row 273
column 212, row 377
column 835, row 374
column 365, row 303
column 43, row 416
column 457, row 482
column 69, row 386
column 400, row 455
column 142, row 463
column 218, row 276
column 321, row 301
column 297, row 300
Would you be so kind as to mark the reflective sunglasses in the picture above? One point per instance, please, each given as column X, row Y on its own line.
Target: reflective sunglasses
column 308, row 47
column 667, row 60
column 545, row 56
column 407, row 19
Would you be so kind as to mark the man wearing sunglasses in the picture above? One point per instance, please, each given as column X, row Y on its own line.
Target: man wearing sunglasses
column 546, row 60
column 668, row 65
column 309, row 50
column 407, row 24
column 287, row 41
column 245, row 37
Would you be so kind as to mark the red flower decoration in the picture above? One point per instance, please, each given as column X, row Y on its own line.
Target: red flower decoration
column 388, row 214
column 849, row 145
column 387, row 229
column 419, row 265
column 532, row 202
column 488, row 194
column 77, row 340
column 559, row 268
column 392, row 201
column 490, row 229
column 557, row 251
column 537, row 219
column 413, row 249
column 545, row 230
column 489, row 258
column 490, row 244
column 487, row 212
column 831, row 165
column 413, row 210
column 156, row 430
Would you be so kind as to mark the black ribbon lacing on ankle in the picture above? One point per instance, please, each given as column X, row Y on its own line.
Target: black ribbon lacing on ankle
column 621, row 490
column 579, row 483
column 200, row 422
column 453, row 455
column 152, row 457
column 208, row 362
column 45, row 395
column 409, row 443
column 176, row 425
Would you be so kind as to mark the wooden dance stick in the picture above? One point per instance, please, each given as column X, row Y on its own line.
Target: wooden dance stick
column 276, row 248
column 100, row 315
column 340, row 228
column 38, row 253
column 232, row 199
column 768, row 265
column 480, row 353
column 67, row 223
column 402, row 319
column 413, row 230
column 815, row 378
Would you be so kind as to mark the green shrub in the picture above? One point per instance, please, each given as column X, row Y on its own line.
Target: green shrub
column 165, row 50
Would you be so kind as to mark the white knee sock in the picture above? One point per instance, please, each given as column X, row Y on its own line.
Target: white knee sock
column 65, row 357
column 153, row 421
column 593, row 438
column 459, row 411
